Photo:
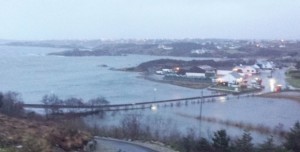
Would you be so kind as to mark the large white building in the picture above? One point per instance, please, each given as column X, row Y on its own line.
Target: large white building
column 195, row 72
column 231, row 78
column 246, row 70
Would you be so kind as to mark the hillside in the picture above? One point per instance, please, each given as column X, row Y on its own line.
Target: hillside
column 44, row 136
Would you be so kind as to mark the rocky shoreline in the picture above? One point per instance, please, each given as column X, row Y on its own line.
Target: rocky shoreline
column 191, row 85
column 291, row 95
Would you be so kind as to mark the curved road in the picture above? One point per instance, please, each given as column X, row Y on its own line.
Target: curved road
column 114, row 145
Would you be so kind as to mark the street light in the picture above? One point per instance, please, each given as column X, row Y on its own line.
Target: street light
column 154, row 107
column 154, row 98
column 272, row 84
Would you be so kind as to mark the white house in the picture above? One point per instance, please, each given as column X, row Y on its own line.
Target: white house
column 223, row 72
column 231, row 78
column 246, row 70
column 167, row 70
column 198, row 51
column 164, row 47
column 266, row 65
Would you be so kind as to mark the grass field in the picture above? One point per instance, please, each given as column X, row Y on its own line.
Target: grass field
column 295, row 82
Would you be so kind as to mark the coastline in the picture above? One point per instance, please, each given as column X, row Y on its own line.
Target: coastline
column 291, row 95
column 191, row 85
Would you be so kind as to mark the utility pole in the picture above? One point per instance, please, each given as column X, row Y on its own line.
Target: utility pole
column 200, row 117
column 154, row 98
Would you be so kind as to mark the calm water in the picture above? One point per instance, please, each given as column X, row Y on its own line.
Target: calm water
column 29, row 71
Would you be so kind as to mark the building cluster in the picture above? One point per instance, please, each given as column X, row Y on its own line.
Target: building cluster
column 242, row 76
column 189, row 72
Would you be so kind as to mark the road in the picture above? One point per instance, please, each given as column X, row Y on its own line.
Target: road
column 114, row 145
column 278, row 78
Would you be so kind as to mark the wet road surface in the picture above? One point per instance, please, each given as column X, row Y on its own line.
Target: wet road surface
column 113, row 145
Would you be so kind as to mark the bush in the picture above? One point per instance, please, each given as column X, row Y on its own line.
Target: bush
column 35, row 144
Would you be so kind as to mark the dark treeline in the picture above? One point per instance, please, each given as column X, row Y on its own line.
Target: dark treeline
column 53, row 99
column 133, row 127
column 11, row 104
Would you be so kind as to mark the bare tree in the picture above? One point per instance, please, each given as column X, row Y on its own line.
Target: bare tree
column 73, row 102
column 53, row 101
column 98, row 102
column 131, row 126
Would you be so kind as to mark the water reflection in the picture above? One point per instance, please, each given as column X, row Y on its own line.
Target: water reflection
column 222, row 99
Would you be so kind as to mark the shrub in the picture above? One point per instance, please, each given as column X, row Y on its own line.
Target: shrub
column 35, row 144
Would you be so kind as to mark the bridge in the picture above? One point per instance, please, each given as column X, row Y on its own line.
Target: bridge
column 127, row 106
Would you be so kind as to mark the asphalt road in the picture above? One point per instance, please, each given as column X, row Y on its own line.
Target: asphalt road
column 278, row 76
column 114, row 145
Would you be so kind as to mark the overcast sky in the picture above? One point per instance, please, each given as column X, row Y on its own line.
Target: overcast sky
column 115, row 19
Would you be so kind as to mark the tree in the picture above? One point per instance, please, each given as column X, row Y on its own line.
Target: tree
column 221, row 141
column 1, row 97
column 203, row 146
column 297, row 65
column 73, row 102
column 98, row 101
column 131, row 126
column 244, row 144
column 189, row 141
column 293, row 138
column 187, row 144
column 268, row 146
column 52, row 100
column 11, row 104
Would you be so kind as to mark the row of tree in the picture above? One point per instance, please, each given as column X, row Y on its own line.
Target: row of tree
column 53, row 99
column 11, row 104
column 134, row 127
column 221, row 142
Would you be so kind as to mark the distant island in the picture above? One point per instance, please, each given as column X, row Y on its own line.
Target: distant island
column 78, row 52
column 151, row 66
column 217, row 48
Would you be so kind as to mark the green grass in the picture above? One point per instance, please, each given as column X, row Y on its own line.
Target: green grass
column 295, row 82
